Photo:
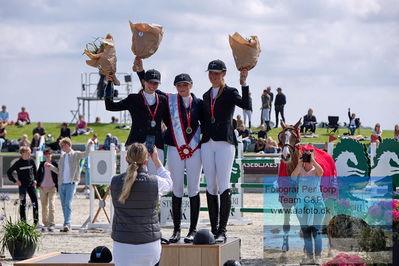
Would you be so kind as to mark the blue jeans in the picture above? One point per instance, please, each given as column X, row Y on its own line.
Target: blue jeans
column 352, row 130
column 1, row 143
column 66, row 195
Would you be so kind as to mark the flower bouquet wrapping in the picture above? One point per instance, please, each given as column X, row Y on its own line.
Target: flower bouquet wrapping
column 103, row 57
column 245, row 51
column 145, row 39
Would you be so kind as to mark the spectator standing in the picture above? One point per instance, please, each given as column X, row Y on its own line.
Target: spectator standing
column 135, row 199
column 47, row 182
column 266, row 109
column 262, row 133
column 94, row 139
column 108, row 140
column 23, row 117
column 396, row 132
column 39, row 129
column 376, row 134
column 269, row 91
column 24, row 141
column 309, row 122
column 4, row 114
column 247, row 113
column 279, row 105
column 26, row 182
column 68, row 177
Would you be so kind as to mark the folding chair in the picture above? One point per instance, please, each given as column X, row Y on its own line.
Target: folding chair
column 332, row 125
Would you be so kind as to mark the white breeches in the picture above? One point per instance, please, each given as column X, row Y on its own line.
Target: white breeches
column 265, row 115
column 192, row 166
column 152, row 170
column 217, row 159
column 246, row 114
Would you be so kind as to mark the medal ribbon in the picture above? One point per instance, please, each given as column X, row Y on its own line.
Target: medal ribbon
column 148, row 106
column 188, row 113
column 213, row 101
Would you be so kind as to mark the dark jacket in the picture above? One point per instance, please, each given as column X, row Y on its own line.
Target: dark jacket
column 222, row 129
column 64, row 133
column 26, row 171
column 307, row 119
column 196, row 117
column 141, row 118
column 136, row 221
column 40, row 174
column 280, row 100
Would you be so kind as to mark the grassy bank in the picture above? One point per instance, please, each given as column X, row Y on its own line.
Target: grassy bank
column 101, row 130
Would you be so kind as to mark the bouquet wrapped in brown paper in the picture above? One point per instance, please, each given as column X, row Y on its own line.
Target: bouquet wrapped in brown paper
column 245, row 51
column 145, row 39
column 103, row 57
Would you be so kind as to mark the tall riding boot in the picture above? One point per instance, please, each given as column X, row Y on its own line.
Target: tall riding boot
column 176, row 214
column 213, row 210
column 268, row 125
column 194, row 214
column 225, row 206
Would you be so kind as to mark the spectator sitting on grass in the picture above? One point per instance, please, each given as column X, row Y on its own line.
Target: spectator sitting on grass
column 24, row 141
column 81, row 127
column 245, row 135
column 396, row 132
column 262, row 133
column 98, row 120
column 23, row 117
column 260, row 145
column 94, row 140
column 3, row 133
column 114, row 120
column 36, row 143
column 239, row 121
column 271, row 146
column 108, row 140
column 376, row 134
column 65, row 132
column 39, row 129
column 309, row 122
column 4, row 114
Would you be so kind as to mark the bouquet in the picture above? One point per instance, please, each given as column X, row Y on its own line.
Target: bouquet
column 245, row 51
column 103, row 57
column 145, row 39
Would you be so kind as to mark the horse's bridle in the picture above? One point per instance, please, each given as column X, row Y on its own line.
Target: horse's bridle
column 294, row 132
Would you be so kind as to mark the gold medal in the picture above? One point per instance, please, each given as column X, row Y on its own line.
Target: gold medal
column 189, row 130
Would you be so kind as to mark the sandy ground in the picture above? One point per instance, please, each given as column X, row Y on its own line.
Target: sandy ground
column 84, row 240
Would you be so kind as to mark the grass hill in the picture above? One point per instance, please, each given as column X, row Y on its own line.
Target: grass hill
column 14, row 132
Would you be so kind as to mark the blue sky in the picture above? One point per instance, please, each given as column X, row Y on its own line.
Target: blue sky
column 328, row 55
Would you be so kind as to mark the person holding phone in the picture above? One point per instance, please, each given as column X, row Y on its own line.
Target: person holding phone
column 219, row 141
column 136, row 232
column 308, row 174
column 184, row 153
column 147, row 109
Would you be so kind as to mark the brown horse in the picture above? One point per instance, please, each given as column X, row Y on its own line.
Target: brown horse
column 289, row 139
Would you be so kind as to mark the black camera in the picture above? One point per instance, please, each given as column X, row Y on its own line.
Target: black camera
column 306, row 157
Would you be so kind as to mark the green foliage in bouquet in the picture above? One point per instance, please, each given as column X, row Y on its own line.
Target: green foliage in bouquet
column 95, row 46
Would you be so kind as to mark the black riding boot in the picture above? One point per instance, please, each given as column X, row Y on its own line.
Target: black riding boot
column 213, row 210
column 176, row 214
column 225, row 206
column 194, row 213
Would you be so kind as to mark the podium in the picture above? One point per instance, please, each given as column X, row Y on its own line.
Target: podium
column 61, row 259
column 182, row 254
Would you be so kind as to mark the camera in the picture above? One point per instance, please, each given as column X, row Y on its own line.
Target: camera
column 306, row 157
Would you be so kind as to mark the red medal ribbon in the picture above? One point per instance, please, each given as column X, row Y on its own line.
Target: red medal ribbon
column 188, row 113
column 213, row 101
column 148, row 106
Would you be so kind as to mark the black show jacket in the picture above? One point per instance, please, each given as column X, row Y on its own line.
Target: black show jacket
column 141, row 118
column 222, row 129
